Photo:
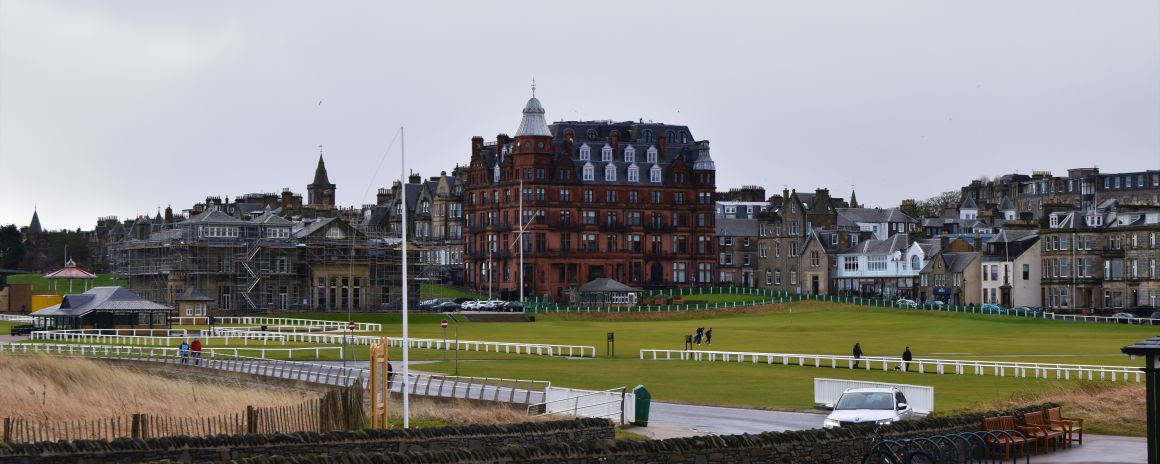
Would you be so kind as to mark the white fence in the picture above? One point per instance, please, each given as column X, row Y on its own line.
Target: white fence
column 540, row 349
column 920, row 398
column 495, row 389
column 276, row 321
column 121, row 350
column 86, row 336
column 615, row 404
column 17, row 318
column 1104, row 319
column 921, row 365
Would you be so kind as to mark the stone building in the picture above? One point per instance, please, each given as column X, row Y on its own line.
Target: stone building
column 1082, row 188
column 1102, row 260
column 631, row 201
column 737, row 260
column 1011, row 268
column 435, row 222
column 952, row 273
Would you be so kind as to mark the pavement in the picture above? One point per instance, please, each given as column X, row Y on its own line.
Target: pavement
column 1100, row 449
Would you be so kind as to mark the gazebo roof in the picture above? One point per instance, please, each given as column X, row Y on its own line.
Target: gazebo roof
column 101, row 298
column 1147, row 347
column 70, row 271
column 605, row 284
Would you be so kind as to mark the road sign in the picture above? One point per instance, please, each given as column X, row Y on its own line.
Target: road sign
column 443, row 324
column 350, row 326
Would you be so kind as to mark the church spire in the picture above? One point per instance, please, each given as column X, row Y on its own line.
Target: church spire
column 34, row 227
column 321, row 191
column 853, row 198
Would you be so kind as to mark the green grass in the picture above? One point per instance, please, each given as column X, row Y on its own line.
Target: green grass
column 40, row 283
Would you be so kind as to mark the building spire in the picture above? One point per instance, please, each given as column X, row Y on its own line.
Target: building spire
column 853, row 197
column 34, row 227
column 533, row 87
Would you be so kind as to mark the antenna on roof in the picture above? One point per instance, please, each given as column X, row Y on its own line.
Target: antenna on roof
column 533, row 87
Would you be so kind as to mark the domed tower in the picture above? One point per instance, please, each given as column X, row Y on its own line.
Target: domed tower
column 533, row 136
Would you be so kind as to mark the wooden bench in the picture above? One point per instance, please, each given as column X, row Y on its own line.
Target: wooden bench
column 1070, row 425
column 1007, row 442
column 1049, row 434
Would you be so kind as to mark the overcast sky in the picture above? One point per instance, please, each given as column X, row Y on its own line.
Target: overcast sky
column 121, row 107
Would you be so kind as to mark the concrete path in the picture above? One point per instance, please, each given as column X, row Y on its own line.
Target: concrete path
column 1100, row 449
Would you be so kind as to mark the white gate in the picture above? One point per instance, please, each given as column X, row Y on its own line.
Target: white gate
column 920, row 398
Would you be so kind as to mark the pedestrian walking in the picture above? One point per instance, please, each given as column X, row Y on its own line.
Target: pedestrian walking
column 906, row 358
column 183, row 349
column 700, row 333
column 857, row 354
column 196, row 348
column 709, row 336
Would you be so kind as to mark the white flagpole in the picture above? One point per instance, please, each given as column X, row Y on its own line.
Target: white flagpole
column 403, row 227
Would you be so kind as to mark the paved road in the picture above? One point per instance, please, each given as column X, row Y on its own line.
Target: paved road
column 713, row 420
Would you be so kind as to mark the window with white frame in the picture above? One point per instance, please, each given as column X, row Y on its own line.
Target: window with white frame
column 651, row 155
column 876, row 263
column 588, row 172
column 585, row 152
column 629, row 154
column 633, row 173
column 654, row 174
column 606, row 153
column 610, row 173
column 850, row 263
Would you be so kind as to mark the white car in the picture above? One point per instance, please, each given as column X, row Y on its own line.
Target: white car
column 493, row 305
column 868, row 406
column 469, row 305
column 905, row 303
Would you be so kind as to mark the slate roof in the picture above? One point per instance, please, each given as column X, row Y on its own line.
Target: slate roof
column 100, row 298
column 733, row 227
column 852, row 216
column 969, row 204
column 1150, row 346
column 214, row 216
column 193, row 295
column 1005, row 204
column 604, row 284
column 1014, row 235
column 896, row 242
column 320, row 177
column 304, row 229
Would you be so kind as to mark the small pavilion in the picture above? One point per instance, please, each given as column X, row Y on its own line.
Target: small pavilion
column 103, row 308
column 604, row 291
column 71, row 272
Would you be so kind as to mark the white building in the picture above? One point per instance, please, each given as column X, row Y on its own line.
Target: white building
column 1012, row 264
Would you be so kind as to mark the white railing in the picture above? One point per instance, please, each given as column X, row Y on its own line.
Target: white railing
column 122, row 350
column 495, row 389
column 84, row 336
column 921, row 365
column 610, row 404
column 17, row 318
column 1103, row 319
column 275, row 321
column 539, row 349
column 919, row 398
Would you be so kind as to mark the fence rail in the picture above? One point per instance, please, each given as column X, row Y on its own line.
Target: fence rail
column 115, row 350
column 923, row 365
column 224, row 338
column 766, row 297
column 339, row 409
column 276, row 321
column 540, row 349
column 17, row 318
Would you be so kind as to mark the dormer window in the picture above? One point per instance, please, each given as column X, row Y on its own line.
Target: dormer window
column 610, row 173
column 648, row 136
column 588, row 175
column 684, row 137
column 1053, row 221
column 1092, row 221
column 651, row 155
column 585, row 152
column 630, row 154
column 633, row 173
column 606, row 153
column 425, row 206
column 591, row 134
column 495, row 174
column 654, row 174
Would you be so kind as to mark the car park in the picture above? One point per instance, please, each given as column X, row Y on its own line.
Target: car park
column 880, row 405
column 905, row 303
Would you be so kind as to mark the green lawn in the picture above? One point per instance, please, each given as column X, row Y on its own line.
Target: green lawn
column 40, row 283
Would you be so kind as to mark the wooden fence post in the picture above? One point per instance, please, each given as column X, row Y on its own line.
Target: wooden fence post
column 135, row 427
column 251, row 426
column 7, row 430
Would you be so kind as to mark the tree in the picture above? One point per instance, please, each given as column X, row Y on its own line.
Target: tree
column 934, row 205
column 11, row 246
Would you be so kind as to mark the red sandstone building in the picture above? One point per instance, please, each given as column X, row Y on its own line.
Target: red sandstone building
column 632, row 201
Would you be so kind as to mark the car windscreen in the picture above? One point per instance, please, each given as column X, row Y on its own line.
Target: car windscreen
column 866, row 400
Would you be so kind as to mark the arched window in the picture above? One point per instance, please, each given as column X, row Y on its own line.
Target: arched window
column 585, row 152
column 495, row 173
column 629, row 154
column 669, row 137
column 793, row 277
column 915, row 263
column 591, row 134
column 654, row 174
column 684, row 137
column 425, row 206
column 777, row 276
column 588, row 174
column 651, row 155
column 606, row 153
column 633, row 173
column 610, row 173
column 648, row 136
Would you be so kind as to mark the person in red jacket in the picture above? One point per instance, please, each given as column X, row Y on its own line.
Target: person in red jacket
column 195, row 347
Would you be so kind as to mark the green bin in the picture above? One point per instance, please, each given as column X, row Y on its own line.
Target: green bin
column 643, row 399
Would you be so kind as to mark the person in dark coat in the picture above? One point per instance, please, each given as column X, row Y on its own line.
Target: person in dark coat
column 697, row 336
column 709, row 336
column 906, row 358
column 857, row 354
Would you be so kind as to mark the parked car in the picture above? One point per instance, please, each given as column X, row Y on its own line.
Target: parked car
column 990, row 308
column 513, row 306
column 1126, row 318
column 905, row 303
column 495, row 305
column 448, row 307
column 868, row 406
column 936, row 304
column 469, row 305
column 1029, row 310
column 439, row 304
column 463, row 299
column 1155, row 315
column 22, row 329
